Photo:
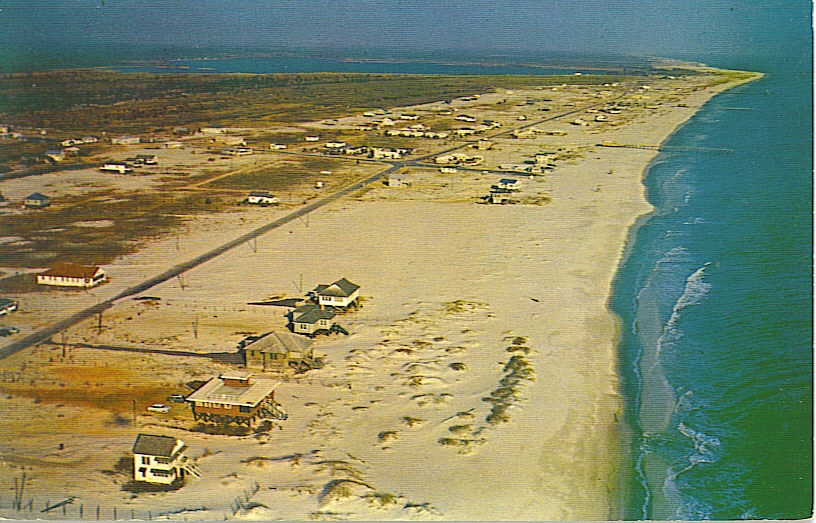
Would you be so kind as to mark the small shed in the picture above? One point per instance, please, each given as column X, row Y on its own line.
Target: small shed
column 36, row 201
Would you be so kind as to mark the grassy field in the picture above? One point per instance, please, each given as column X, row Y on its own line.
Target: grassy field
column 98, row 100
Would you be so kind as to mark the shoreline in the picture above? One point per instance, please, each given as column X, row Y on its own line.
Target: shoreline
column 634, row 405
column 543, row 273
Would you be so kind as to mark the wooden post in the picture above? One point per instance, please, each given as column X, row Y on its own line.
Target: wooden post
column 114, row 513
column 131, row 514
column 99, row 325
column 134, row 411
column 97, row 512
column 80, row 510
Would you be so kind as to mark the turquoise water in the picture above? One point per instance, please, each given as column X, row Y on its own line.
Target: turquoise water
column 716, row 299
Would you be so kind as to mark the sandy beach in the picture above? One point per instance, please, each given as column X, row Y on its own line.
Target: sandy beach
column 457, row 295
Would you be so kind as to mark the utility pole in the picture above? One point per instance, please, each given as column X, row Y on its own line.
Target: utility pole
column 134, row 411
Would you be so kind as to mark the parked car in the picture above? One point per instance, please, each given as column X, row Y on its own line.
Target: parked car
column 176, row 398
column 158, row 407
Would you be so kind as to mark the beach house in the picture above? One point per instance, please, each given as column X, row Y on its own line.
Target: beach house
column 277, row 349
column 340, row 294
column 72, row 275
column 236, row 397
column 310, row 319
column 510, row 184
column 116, row 167
column 36, row 201
column 7, row 306
column 161, row 459
column 125, row 140
column 56, row 155
column 261, row 198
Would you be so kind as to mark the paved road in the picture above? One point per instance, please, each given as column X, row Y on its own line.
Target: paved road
column 55, row 328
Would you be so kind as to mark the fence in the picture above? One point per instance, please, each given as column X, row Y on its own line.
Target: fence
column 67, row 509
column 72, row 508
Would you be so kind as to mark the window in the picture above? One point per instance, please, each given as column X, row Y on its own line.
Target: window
column 145, row 460
column 160, row 472
column 143, row 471
column 244, row 409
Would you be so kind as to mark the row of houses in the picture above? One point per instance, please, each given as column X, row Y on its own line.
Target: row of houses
column 458, row 158
column 128, row 164
column 79, row 141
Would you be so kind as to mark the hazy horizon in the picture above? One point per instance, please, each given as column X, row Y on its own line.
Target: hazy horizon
column 668, row 28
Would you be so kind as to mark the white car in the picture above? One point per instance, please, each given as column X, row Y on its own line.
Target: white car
column 158, row 407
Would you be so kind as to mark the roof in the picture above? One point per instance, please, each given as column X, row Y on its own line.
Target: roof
column 5, row 302
column 262, row 194
column 280, row 342
column 215, row 391
column 341, row 287
column 312, row 314
column 72, row 270
column 154, row 445
column 508, row 180
column 36, row 196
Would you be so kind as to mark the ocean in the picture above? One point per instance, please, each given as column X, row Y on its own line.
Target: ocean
column 715, row 295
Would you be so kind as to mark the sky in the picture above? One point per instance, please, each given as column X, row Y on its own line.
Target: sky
column 680, row 28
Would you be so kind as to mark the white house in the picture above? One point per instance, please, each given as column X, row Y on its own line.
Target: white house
column 261, row 198
column 334, row 145
column 161, row 459
column 392, row 154
column 213, row 130
column 72, row 275
column 148, row 159
column 7, row 306
column 118, row 167
column 173, row 145
column 312, row 138
column 309, row 319
column 69, row 142
column 276, row 146
column 89, row 139
column 341, row 293
column 509, row 184
column 465, row 118
column 125, row 140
